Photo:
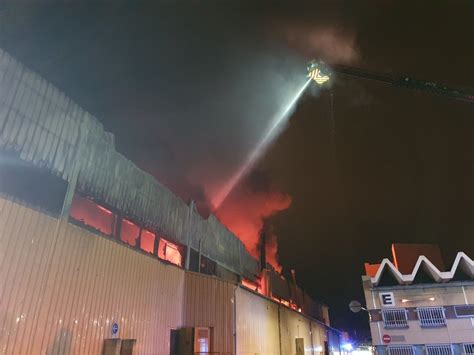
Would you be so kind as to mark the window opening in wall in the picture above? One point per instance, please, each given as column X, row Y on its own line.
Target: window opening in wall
column 129, row 232
column 464, row 311
column 431, row 317
column 207, row 266
column 439, row 350
column 193, row 260
column 395, row 318
column 147, row 241
column 36, row 187
column 169, row 252
column 282, row 301
column 250, row 284
column 202, row 340
column 401, row 350
column 91, row 214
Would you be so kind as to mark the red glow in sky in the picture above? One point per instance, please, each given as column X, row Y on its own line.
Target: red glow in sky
column 244, row 212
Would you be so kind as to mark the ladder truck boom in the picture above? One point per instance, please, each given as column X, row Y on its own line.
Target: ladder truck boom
column 320, row 72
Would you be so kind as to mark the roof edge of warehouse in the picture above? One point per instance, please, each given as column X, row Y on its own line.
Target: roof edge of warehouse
column 81, row 149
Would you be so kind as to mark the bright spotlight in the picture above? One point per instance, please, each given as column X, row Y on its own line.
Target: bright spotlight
column 347, row 346
column 319, row 72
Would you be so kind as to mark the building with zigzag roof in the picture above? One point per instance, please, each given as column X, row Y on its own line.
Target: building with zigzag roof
column 417, row 306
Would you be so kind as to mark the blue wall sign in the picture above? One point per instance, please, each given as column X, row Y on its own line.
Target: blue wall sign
column 115, row 328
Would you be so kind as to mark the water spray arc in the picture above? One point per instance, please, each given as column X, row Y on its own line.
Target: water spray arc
column 277, row 123
column 321, row 74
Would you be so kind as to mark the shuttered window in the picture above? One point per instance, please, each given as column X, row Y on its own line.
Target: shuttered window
column 395, row 318
column 431, row 317
column 401, row 350
column 439, row 350
column 468, row 349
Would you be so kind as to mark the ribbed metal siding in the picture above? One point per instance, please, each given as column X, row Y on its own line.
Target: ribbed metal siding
column 48, row 129
column 294, row 325
column 257, row 325
column 318, row 334
column 69, row 306
column 208, row 302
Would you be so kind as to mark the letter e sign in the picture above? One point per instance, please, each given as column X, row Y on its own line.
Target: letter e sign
column 387, row 299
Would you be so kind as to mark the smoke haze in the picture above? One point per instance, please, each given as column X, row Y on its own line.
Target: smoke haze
column 188, row 89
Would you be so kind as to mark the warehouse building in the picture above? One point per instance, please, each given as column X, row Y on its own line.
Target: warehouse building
column 416, row 307
column 97, row 256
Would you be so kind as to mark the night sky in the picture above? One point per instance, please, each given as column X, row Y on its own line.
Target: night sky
column 188, row 89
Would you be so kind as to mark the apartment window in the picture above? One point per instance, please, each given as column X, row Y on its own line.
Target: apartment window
column 147, row 241
column 431, row 317
column 401, row 350
column 395, row 318
column 468, row 349
column 439, row 350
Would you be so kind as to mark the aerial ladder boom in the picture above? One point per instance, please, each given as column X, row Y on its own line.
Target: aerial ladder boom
column 321, row 73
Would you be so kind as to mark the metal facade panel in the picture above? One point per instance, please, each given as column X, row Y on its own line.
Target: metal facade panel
column 257, row 325
column 62, row 287
column 319, row 336
column 209, row 302
column 47, row 129
column 262, row 325
column 294, row 325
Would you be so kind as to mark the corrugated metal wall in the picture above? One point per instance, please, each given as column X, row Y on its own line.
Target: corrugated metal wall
column 257, row 325
column 209, row 302
column 319, row 335
column 48, row 129
column 258, row 332
column 294, row 325
column 61, row 287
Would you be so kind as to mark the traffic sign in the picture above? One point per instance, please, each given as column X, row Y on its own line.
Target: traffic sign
column 115, row 328
column 386, row 338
